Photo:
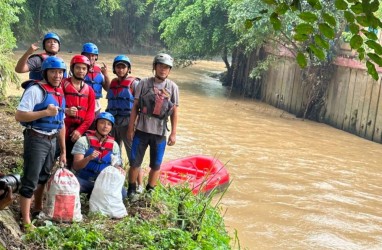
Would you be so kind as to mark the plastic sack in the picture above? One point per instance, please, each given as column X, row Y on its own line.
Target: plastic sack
column 63, row 197
column 106, row 196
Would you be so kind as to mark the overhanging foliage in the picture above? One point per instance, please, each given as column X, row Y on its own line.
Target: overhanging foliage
column 318, row 27
column 8, row 15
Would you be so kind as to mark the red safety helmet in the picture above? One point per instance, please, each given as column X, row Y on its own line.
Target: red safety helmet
column 79, row 59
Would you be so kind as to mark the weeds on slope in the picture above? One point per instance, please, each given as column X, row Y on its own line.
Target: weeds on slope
column 168, row 218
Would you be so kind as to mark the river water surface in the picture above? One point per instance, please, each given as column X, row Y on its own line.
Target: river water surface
column 295, row 184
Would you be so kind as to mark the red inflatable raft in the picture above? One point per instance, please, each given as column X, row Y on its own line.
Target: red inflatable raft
column 202, row 173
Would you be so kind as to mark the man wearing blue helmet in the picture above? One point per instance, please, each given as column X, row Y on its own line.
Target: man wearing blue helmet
column 97, row 77
column 30, row 62
column 120, row 98
column 93, row 152
column 41, row 112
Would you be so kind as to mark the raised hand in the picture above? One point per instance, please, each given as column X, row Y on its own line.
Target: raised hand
column 104, row 69
column 34, row 47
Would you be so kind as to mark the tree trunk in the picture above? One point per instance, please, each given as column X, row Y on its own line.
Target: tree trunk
column 237, row 64
column 38, row 17
column 227, row 81
column 225, row 59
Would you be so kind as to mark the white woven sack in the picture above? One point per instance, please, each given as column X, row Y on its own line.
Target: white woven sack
column 63, row 197
column 106, row 196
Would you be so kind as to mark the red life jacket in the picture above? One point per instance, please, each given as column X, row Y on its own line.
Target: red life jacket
column 78, row 99
column 95, row 166
column 126, row 83
column 105, row 148
column 57, row 92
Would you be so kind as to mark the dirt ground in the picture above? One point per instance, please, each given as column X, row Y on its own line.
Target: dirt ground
column 10, row 139
column 11, row 149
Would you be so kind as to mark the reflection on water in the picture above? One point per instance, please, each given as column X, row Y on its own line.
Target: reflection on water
column 296, row 184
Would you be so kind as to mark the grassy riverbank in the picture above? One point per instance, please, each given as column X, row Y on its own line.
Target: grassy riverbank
column 172, row 218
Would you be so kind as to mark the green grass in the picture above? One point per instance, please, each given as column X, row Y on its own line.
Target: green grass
column 170, row 218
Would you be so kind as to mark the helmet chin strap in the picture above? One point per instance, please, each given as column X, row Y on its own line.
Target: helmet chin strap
column 48, row 82
column 78, row 78
column 158, row 77
column 55, row 87
column 98, row 133
column 102, row 136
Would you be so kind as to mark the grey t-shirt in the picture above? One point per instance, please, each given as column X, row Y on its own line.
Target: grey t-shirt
column 151, row 124
column 34, row 63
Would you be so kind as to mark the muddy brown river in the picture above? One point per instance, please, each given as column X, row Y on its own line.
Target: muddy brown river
column 295, row 184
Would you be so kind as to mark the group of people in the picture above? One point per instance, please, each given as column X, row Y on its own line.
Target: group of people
column 62, row 110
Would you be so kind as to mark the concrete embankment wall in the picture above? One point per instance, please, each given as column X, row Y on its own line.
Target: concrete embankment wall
column 353, row 100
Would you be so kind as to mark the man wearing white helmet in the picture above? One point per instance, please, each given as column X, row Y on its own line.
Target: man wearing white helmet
column 156, row 99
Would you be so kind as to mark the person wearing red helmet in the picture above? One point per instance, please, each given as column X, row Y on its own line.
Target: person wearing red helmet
column 80, row 103
column 30, row 62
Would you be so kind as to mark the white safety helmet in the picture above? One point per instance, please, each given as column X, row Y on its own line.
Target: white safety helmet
column 163, row 58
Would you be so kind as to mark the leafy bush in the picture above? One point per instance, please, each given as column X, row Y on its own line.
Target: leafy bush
column 169, row 218
column 8, row 11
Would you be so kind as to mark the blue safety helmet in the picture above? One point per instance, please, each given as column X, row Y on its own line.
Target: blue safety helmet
column 51, row 35
column 121, row 59
column 52, row 62
column 90, row 48
column 106, row 116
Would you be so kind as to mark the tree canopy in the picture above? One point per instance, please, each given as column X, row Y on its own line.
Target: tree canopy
column 108, row 23
column 318, row 26
column 195, row 29
column 8, row 16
